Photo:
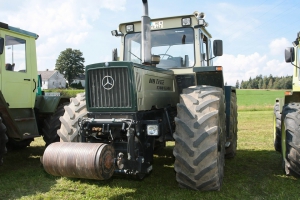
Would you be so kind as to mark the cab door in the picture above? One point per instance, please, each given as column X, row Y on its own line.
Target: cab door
column 18, row 84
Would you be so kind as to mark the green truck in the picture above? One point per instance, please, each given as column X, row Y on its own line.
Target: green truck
column 286, row 117
column 162, row 87
column 25, row 112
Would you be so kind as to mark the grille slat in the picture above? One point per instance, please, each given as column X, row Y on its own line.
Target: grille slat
column 118, row 96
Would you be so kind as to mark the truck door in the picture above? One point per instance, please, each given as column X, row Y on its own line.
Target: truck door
column 17, row 82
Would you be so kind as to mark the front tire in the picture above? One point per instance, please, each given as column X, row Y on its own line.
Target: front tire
column 3, row 141
column 14, row 144
column 52, row 124
column 277, row 127
column 290, row 139
column 231, row 150
column 69, row 130
column 200, row 138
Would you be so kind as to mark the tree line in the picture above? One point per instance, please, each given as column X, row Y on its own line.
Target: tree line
column 266, row 82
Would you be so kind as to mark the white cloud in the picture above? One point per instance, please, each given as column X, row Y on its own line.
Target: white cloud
column 242, row 67
column 278, row 68
column 60, row 24
column 76, row 38
column 277, row 46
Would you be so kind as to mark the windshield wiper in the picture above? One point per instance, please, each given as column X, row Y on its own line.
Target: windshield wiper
column 135, row 55
column 166, row 52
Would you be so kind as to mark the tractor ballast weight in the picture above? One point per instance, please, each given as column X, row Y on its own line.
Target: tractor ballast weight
column 286, row 117
column 90, row 161
column 161, row 89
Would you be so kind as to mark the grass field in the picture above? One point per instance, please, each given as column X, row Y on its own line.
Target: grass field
column 255, row 173
column 252, row 100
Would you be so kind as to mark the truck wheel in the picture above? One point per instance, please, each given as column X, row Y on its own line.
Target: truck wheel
column 69, row 130
column 290, row 139
column 14, row 144
column 3, row 141
column 277, row 127
column 200, row 138
column 52, row 124
column 231, row 150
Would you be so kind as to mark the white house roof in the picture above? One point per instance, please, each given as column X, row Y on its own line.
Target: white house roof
column 47, row 74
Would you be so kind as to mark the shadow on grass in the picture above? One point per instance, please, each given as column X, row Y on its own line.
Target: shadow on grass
column 22, row 174
column 250, row 175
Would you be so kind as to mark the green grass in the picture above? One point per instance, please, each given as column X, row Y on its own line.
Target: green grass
column 252, row 100
column 66, row 92
column 255, row 173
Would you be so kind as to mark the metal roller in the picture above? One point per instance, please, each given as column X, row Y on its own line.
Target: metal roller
column 79, row 160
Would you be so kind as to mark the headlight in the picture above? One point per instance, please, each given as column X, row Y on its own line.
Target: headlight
column 202, row 22
column 129, row 28
column 186, row 21
column 152, row 130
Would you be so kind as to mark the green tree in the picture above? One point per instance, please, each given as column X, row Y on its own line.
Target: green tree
column 70, row 63
column 237, row 84
column 260, row 84
column 270, row 85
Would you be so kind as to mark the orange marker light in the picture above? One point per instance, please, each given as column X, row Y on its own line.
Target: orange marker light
column 219, row 68
column 288, row 93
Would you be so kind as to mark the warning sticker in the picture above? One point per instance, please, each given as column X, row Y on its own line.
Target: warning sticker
column 157, row 25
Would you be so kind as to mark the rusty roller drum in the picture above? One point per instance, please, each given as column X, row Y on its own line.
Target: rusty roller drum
column 79, row 160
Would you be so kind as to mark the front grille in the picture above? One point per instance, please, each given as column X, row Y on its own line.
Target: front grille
column 118, row 96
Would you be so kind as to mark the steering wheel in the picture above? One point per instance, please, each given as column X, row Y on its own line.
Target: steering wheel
column 164, row 54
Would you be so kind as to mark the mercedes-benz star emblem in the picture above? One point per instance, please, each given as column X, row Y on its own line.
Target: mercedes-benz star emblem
column 108, row 82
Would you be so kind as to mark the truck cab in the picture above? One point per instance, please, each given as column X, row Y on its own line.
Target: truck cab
column 23, row 108
column 18, row 67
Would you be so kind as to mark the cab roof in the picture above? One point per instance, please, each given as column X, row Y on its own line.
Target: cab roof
column 164, row 23
column 18, row 30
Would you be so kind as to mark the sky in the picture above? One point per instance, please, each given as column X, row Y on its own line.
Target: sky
column 254, row 33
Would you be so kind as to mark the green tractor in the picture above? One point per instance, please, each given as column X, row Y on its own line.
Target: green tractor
column 286, row 117
column 25, row 112
column 162, row 87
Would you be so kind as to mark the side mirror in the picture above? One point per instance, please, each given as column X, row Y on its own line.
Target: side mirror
column 1, row 45
column 289, row 54
column 218, row 48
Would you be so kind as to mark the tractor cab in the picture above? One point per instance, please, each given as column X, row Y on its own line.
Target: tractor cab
column 180, row 41
column 292, row 55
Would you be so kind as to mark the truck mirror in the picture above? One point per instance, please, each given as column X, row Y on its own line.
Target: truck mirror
column 218, row 48
column 289, row 54
column 1, row 45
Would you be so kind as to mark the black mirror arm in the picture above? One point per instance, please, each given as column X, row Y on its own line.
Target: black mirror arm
column 295, row 65
column 211, row 58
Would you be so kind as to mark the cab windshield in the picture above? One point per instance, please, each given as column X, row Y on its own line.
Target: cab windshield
column 174, row 46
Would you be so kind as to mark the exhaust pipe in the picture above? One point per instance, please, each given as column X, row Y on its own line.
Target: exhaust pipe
column 146, row 35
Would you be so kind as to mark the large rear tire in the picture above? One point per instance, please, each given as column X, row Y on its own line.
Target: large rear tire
column 14, row 144
column 290, row 139
column 3, row 141
column 200, row 138
column 52, row 124
column 231, row 150
column 277, row 127
column 69, row 130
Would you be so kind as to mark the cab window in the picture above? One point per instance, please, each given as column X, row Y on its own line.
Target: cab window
column 15, row 54
column 174, row 46
column 205, row 50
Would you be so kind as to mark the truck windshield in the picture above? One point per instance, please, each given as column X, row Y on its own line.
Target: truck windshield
column 174, row 46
